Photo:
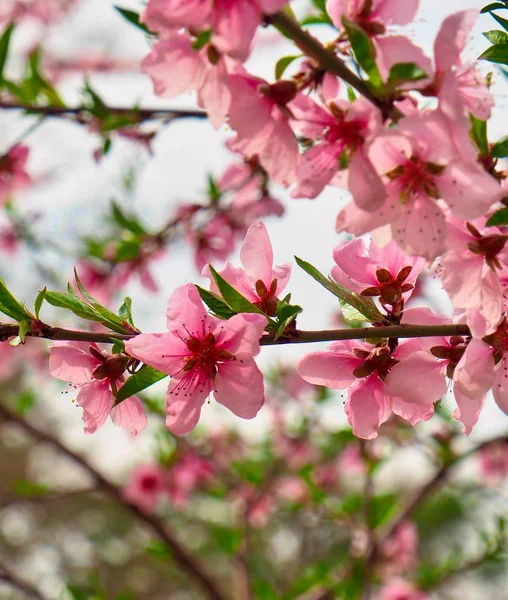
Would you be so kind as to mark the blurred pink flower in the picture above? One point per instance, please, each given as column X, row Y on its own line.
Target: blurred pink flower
column 146, row 486
column 13, row 175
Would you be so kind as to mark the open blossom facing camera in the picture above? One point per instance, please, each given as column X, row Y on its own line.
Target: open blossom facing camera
column 204, row 354
column 97, row 376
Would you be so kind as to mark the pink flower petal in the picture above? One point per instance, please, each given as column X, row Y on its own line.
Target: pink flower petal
column 500, row 388
column 419, row 379
column 452, row 38
column 96, row 400
column 394, row 12
column 162, row 351
column 130, row 415
column 364, row 183
column 241, row 333
column 161, row 15
column 183, row 412
column 256, row 254
column 239, row 386
column 475, row 375
column 331, row 369
column 468, row 410
column 185, row 308
column 315, row 170
column 68, row 363
column 368, row 407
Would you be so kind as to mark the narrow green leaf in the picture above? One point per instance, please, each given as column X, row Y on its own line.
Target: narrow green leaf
column 496, row 54
column 109, row 318
column 503, row 22
column 496, row 36
column 4, row 48
column 351, row 96
column 74, row 304
column 39, row 300
column 492, row 6
column 500, row 217
column 283, row 63
column 233, row 298
column 125, row 311
column 126, row 221
column 405, row 72
column 24, row 328
column 215, row 304
column 213, row 190
column 29, row 489
column 127, row 250
column 133, row 17
column 286, row 314
column 363, row 304
column 25, row 401
column 351, row 316
column 479, row 134
column 320, row 5
column 9, row 305
column 500, row 148
column 382, row 509
column 364, row 51
column 316, row 20
column 144, row 378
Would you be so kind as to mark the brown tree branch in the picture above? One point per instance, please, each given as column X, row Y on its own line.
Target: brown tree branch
column 299, row 337
column 326, row 59
column 82, row 114
column 189, row 564
column 12, row 579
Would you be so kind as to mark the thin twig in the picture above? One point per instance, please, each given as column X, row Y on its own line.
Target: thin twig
column 83, row 114
column 188, row 563
column 7, row 575
column 299, row 337
column 329, row 61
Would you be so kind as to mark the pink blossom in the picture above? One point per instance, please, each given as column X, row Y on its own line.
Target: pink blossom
column 146, row 486
column 420, row 165
column 97, row 375
column 493, row 461
column 175, row 68
column 214, row 241
column 204, row 354
column 41, row 10
column 372, row 15
column 9, row 239
column 292, row 489
column 258, row 281
column 400, row 551
column 471, row 270
column 233, row 22
column 484, row 366
column 342, row 131
column 13, row 175
column 363, row 368
column 189, row 473
column 398, row 589
column 387, row 273
column 470, row 84
column 260, row 117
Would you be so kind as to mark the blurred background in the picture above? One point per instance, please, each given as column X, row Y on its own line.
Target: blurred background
column 294, row 477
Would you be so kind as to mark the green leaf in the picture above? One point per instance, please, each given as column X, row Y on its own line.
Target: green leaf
column 29, row 489
column 500, row 148
column 126, row 221
column 228, row 540
column 405, row 72
column 320, row 5
column 214, row 192
column 492, row 6
column 125, row 311
column 202, row 39
column 127, row 250
column 283, row 63
column 74, row 304
column 351, row 96
column 158, row 550
column 39, row 300
column 316, row 20
column 110, row 319
column 496, row 37
column 478, row 132
column 351, row 316
column 144, row 378
column 501, row 21
column 286, row 314
column 500, row 217
column 382, row 508
column 264, row 591
column 362, row 304
column 4, row 48
column 496, row 54
column 24, row 328
column 233, row 298
column 133, row 17
column 10, row 306
column 215, row 304
column 364, row 51
column 25, row 401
